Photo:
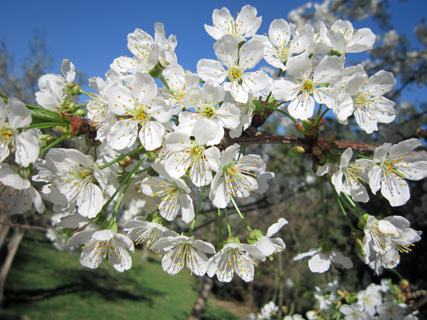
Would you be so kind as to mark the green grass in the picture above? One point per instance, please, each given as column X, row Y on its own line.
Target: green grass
column 47, row 284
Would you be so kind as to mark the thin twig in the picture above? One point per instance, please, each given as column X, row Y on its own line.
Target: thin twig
column 25, row 226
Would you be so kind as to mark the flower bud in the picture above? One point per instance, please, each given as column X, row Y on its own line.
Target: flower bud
column 297, row 150
column 299, row 127
column 126, row 161
column 323, row 145
column 317, row 152
column 70, row 106
column 80, row 112
column 72, row 89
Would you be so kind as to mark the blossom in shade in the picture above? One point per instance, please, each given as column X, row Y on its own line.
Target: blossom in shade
column 75, row 179
column 235, row 258
column 17, row 192
column 174, row 194
column 142, row 231
column 385, row 239
column 350, row 178
column 182, row 251
column 391, row 310
column 354, row 312
column 370, row 298
column 393, row 164
column 235, row 177
column 99, row 245
column 268, row 245
column 320, row 261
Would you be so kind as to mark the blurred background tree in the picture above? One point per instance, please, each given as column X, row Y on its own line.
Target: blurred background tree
column 21, row 80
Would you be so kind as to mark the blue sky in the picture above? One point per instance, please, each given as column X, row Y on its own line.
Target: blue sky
column 93, row 33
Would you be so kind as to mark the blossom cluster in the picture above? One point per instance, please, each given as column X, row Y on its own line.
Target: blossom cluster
column 180, row 141
column 377, row 301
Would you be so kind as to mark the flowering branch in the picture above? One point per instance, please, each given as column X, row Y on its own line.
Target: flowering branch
column 188, row 137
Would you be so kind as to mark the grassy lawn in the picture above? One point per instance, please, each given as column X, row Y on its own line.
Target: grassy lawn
column 47, row 284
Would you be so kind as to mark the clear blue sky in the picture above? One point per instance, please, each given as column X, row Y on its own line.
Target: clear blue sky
column 92, row 33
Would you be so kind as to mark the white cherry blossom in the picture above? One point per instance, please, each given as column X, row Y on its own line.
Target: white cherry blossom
column 68, row 74
column 174, row 194
column 235, row 177
column 354, row 312
column 393, row 164
column 342, row 38
column 14, row 117
column 192, row 156
column 268, row 245
column 321, row 261
column 17, row 192
column 99, row 245
column 350, row 178
column 97, row 108
column 147, row 52
column 179, row 83
column 237, row 61
column 182, row 251
column 140, row 114
column 148, row 232
column 370, row 298
column 235, row 258
column 365, row 99
column 52, row 87
column 205, row 102
column 308, row 85
column 283, row 43
column 385, row 239
column 75, row 180
column 244, row 26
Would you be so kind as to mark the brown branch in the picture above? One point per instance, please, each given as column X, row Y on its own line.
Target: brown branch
column 356, row 146
column 24, row 226
column 259, row 137
column 83, row 126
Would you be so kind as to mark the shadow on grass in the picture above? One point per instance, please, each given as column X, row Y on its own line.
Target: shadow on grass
column 102, row 283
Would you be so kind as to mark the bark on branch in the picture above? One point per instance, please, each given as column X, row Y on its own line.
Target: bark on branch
column 260, row 137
